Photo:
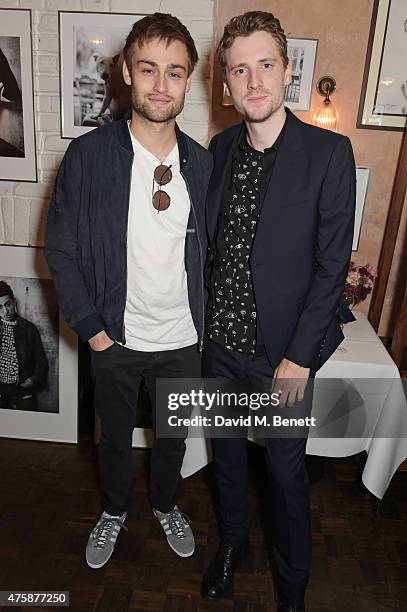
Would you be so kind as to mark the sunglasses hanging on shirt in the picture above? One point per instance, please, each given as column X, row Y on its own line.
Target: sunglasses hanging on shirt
column 162, row 176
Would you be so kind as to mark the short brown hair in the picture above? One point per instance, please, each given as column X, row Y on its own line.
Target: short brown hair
column 164, row 27
column 246, row 24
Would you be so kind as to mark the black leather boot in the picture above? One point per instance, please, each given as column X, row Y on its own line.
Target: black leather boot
column 218, row 578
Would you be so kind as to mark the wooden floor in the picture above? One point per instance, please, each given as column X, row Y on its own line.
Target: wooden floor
column 49, row 502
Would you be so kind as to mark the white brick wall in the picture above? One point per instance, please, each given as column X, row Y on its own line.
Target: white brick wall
column 24, row 206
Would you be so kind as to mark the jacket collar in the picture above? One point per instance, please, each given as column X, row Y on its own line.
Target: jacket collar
column 292, row 132
column 125, row 140
column 290, row 144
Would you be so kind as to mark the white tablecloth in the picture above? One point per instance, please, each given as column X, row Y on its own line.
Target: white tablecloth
column 361, row 355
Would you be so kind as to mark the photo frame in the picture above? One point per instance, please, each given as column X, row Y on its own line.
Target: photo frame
column 302, row 53
column 17, row 129
column 383, row 101
column 39, row 381
column 362, row 182
column 91, row 83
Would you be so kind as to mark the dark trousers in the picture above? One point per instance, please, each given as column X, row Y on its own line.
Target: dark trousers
column 285, row 461
column 118, row 372
column 15, row 397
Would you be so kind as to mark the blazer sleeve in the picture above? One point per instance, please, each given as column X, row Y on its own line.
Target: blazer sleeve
column 333, row 250
column 40, row 360
column 62, row 248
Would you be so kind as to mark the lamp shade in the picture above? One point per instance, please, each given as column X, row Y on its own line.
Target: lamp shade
column 327, row 116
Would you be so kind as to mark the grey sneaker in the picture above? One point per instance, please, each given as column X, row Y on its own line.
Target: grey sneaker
column 176, row 526
column 103, row 538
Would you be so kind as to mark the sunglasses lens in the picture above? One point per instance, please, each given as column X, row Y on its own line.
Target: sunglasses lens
column 161, row 200
column 162, row 174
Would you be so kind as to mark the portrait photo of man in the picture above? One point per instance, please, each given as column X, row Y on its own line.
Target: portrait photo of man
column 23, row 362
column 11, row 122
column 203, row 341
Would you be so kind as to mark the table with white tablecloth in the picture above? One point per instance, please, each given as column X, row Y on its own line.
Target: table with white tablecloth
column 360, row 356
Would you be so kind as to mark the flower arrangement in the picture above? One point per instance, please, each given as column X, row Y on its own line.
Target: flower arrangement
column 359, row 283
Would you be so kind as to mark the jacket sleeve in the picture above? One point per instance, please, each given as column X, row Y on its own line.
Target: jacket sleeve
column 40, row 359
column 333, row 250
column 62, row 248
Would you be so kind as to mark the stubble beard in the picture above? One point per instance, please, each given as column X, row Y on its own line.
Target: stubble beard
column 252, row 118
column 261, row 115
column 157, row 115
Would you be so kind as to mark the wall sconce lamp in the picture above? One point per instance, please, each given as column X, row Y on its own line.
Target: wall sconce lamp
column 326, row 116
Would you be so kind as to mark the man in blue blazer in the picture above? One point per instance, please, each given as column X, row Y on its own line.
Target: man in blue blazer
column 280, row 214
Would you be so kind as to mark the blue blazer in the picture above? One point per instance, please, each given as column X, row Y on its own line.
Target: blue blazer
column 303, row 241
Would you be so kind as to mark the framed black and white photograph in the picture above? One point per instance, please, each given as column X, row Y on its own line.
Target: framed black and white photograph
column 93, row 91
column 302, row 53
column 38, row 352
column 17, row 131
column 383, row 102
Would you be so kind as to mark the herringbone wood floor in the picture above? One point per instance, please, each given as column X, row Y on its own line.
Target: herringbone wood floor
column 49, row 502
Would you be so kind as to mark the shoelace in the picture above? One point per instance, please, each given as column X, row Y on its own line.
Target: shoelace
column 227, row 551
column 177, row 521
column 102, row 532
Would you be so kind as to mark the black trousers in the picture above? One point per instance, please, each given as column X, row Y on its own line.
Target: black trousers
column 118, row 372
column 288, row 478
column 15, row 397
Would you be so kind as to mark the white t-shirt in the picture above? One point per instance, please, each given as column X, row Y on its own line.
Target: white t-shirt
column 157, row 315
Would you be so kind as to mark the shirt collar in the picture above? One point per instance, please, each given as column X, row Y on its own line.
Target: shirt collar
column 171, row 159
column 9, row 323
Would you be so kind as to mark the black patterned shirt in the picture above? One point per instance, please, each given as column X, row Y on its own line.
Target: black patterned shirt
column 232, row 313
column 8, row 356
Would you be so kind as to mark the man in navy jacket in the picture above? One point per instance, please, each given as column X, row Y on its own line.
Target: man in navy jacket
column 23, row 362
column 126, row 243
column 280, row 213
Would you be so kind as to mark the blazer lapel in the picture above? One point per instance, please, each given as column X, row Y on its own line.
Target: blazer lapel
column 289, row 161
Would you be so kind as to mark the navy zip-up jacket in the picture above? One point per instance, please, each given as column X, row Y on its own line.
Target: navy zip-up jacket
column 86, row 235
